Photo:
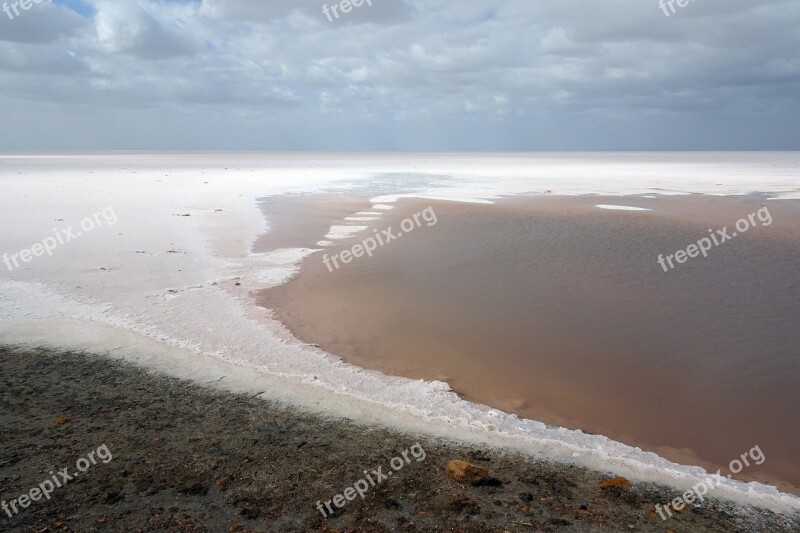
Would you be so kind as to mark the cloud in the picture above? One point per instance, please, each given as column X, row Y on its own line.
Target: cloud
column 43, row 23
column 513, row 74
column 143, row 30
column 259, row 11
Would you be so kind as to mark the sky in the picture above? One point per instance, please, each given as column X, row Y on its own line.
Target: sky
column 505, row 75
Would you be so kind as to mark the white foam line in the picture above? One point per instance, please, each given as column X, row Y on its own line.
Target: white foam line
column 467, row 196
column 787, row 196
column 344, row 232
column 361, row 219
column 621, row 207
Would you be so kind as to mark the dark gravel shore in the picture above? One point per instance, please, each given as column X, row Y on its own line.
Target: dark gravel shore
column 186, row 458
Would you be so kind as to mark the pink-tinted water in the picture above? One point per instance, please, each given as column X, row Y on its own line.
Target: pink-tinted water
column 559, row 311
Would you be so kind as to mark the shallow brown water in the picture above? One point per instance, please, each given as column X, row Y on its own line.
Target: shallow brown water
column 558, row 311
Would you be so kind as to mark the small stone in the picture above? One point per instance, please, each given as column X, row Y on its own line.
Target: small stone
column 465, row 473
column 614, row 482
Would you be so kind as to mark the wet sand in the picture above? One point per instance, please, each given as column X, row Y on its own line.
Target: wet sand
column 190, row 459
column 558, row 311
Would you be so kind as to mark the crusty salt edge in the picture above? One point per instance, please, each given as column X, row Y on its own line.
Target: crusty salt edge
column 337, row 387
column 209, row 324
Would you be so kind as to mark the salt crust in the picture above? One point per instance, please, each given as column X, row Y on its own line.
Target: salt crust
column 191, row 314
